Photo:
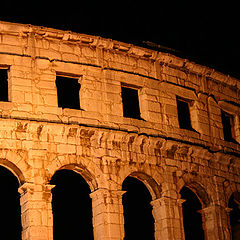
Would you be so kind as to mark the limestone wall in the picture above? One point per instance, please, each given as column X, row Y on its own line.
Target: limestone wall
column 37, row 137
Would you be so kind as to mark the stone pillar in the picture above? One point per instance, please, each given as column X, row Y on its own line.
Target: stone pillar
column 215, row 223
column 167, row 213
column 36, row 210
column 108, row 220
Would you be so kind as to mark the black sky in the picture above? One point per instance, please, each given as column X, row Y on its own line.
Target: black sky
column 206, row 32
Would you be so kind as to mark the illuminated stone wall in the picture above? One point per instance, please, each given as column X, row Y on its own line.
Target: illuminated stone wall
column 37, row 137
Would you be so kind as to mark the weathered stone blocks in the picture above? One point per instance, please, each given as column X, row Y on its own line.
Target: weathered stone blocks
column 38, row 138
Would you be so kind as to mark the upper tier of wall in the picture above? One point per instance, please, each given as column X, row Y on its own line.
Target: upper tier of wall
column 35, row 55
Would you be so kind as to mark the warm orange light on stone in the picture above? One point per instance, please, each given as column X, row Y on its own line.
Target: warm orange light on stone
column 37, row 137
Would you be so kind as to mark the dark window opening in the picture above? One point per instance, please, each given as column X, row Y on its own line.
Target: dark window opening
column 138, row 219
column 130, row 103
column 184, row 117
column 228, row 127
column 10, row 217
column 192, row 218
column 4, row 85
column 234, row 205
column 71, row 206
column 68, row 92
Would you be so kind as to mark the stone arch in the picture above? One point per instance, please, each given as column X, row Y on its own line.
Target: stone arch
column 195, row 184
column 200, row 191
column 152, row 185
column 13, row 169
column 84, row 172
column 229, row 189
column 84, row 166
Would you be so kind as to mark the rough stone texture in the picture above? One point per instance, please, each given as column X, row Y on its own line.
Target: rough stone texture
column 37, row 138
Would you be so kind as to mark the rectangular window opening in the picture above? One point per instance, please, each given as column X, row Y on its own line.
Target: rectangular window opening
column 4, row 85
column 68, row 89
column 228, row 126
column 130, row 102
column 184, row 117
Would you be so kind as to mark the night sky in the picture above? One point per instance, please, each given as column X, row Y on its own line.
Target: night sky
column 206, row 32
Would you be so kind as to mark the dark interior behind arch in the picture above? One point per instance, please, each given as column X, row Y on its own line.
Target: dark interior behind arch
column 138, row 219
column 71, row 206
column 10, row 209
column 192, row 218
column 234, row 205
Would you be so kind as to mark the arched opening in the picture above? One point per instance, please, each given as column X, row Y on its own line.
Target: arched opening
column 192, row 218
column 234, row 204
column 10, row 209
column 71, row 206
column 138, row 218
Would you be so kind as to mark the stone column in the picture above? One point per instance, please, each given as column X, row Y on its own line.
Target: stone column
column 36, row 210
column 108, row 221
column 167, row 213
column 215, row 222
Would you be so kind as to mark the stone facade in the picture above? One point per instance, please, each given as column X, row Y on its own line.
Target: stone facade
column 38, row 138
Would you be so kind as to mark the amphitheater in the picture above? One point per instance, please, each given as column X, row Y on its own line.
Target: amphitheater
column 128, row 123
